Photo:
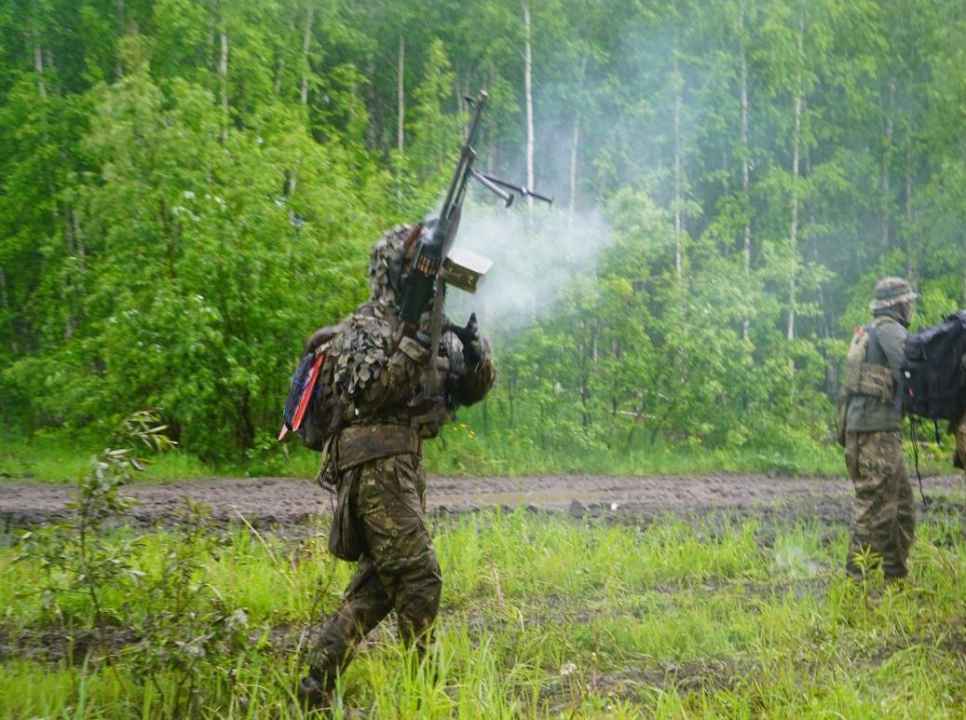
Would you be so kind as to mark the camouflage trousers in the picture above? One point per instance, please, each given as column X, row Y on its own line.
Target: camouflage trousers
column 961, row 441
column 884, row 513
column 397, row 571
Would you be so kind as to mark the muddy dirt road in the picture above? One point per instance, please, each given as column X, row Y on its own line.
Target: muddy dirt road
column 284, row 502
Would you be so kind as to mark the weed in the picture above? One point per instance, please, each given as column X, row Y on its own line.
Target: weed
column 541, row 617
column 75, row 555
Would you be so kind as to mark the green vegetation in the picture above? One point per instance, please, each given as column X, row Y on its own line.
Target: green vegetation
column 188, row 189
column 541, row 617
column 464, row 451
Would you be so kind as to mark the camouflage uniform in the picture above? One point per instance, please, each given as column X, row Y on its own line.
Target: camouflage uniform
column 884, row 517
column 961, row 443
column 958, row 429
column 379, row 454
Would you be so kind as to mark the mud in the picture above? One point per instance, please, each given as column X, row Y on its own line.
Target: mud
column 286, row 502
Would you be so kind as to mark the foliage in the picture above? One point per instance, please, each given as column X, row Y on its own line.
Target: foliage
column 185, row 631
column 189, row 635
column 75, row 554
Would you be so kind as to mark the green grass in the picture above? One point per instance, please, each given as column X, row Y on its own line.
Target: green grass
column 462, row 451
column 58, row 460
column 546, row 617
column 459, row 452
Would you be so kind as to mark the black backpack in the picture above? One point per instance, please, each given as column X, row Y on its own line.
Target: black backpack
column 933, row 379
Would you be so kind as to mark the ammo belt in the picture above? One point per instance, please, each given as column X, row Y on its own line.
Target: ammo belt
column 358, row 444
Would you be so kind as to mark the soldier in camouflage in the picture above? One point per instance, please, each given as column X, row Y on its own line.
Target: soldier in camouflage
column 376, row 459
column 884, row 516
column 958, row 429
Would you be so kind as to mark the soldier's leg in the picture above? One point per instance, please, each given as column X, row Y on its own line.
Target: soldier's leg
column 364, row 606
column 877, row 468
column 391, row 504
column 905, row 530
column 857, row 539
column 867, row 506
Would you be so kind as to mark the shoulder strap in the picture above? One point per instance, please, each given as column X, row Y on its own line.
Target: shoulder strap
column 902, row 385
column 874, row 337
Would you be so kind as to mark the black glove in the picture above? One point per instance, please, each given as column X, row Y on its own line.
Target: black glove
column 470, row 339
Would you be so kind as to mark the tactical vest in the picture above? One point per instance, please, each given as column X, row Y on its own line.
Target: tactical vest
column 863, row 377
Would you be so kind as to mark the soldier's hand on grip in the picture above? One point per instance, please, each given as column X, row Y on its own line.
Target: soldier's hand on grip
column 470, row 338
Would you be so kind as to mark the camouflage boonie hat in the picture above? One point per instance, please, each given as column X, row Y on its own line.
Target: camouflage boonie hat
column 387, row 261
column 891, row 291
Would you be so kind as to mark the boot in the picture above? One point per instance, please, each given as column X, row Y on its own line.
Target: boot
column 311, row 693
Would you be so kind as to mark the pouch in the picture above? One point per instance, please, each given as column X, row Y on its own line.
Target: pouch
column 346, row 540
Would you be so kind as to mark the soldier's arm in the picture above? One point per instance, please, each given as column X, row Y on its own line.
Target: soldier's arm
column 476, row 371
column 892, row 337
column 478, row 377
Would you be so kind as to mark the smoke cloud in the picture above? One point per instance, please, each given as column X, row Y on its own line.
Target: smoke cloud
column 535, row 253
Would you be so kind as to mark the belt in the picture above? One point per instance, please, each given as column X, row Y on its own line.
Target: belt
column 358, row 444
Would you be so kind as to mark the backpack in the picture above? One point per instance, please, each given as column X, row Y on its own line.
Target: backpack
column 312, row 409
column 933, row 380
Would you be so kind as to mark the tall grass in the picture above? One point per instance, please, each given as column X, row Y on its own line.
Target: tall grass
column 463, row 451
column 545, row 617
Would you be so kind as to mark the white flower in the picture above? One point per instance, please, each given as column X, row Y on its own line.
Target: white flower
column 568, row 669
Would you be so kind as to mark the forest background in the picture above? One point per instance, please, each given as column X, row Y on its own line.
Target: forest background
column 188, row 189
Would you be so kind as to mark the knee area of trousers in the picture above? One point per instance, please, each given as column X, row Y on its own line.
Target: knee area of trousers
column 422, row 565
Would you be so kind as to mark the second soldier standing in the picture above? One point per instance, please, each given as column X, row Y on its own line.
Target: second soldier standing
column 884, row 515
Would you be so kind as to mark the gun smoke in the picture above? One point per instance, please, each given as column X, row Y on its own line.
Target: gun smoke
column 536, row 253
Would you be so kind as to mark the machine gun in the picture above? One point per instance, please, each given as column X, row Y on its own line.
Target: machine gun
column 432, row 265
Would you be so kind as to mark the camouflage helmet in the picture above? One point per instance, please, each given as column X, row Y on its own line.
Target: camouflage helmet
column 891, row 291
column 387, row 262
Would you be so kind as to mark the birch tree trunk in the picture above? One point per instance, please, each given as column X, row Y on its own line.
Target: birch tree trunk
column 401, row 97
column 5, row 304
column 911, row 232
column 303, row 98
column 118, row 66
column 745, row 166
column 886, row 164
column 491, row 146
column 306, row 45
column 528, row 92
column 212, row 28
column 796, row 151
column 223, row 76
column 678, row 182
column 39, row 68
column 575, row 139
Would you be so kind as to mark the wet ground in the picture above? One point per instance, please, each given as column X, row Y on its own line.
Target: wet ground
column 285, row 502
